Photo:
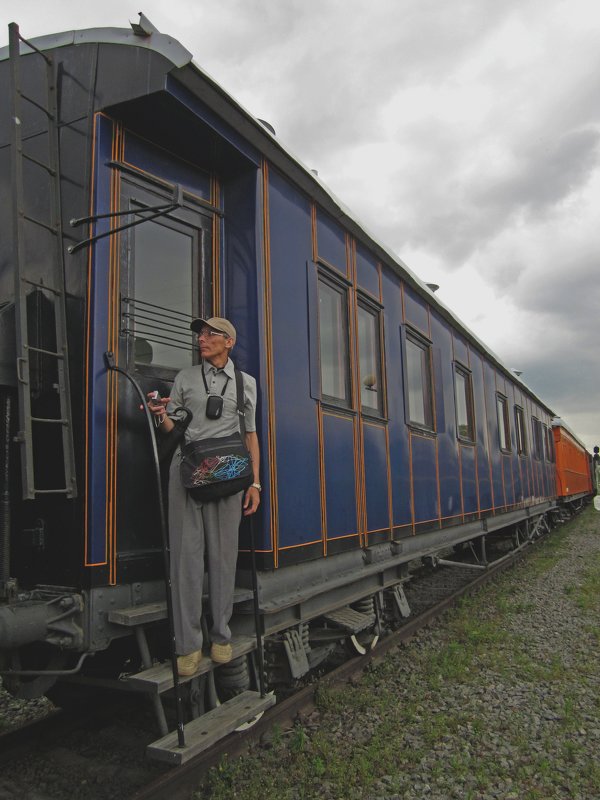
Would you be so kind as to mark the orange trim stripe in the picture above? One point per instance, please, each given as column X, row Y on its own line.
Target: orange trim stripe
column 270, row 369
column 344, row 536
column 86, row 455
column 437, row 478
column 412, row 485
column 377, row 530
column 487, row 434
column 460, row 482
column 302, row 544
column 321, row 444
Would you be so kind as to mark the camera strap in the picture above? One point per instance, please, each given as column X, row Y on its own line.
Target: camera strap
column 206, row 384
column 239, row 385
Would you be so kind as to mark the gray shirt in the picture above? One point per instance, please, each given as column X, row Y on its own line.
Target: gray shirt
column 188, row 390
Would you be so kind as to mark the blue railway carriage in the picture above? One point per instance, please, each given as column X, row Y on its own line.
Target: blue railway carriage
column 136, row 194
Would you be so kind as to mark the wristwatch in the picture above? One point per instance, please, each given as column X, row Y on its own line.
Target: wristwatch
column 256, row 486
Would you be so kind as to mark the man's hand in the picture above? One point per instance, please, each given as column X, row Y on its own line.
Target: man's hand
column 157, row 406
column 251, row 501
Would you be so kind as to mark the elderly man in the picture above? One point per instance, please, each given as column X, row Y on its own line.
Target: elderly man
column 195, row 525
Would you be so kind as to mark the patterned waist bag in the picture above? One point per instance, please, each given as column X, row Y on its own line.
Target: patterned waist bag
column 215, row 468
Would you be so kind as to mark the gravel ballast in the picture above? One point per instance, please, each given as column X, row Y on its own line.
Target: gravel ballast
column 498, row 701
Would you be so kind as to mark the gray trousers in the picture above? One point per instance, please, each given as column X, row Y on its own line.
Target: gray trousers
column 194, row 526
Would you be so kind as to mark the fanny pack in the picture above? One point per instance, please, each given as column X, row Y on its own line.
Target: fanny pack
column 219, row 467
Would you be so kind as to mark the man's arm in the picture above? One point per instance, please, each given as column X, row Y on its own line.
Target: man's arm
column 252, row 497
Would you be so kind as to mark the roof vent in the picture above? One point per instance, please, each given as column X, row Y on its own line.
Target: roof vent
column 315, row 172
column 144, row 27
column 433, row 286
column 268, row 126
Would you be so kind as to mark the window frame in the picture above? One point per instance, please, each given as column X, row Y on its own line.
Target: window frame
column 189, row 220
column 538, row 442
column 427, row 381
column 520, row 430
column 502, row 402
column 375, row 311
column 341, row 288
column 466, row 374
column 551, row 444
column 548, row 443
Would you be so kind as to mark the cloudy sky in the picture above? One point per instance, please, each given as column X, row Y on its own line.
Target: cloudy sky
column 464, row 134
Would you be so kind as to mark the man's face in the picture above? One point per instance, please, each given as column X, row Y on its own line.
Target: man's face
column 213, row 344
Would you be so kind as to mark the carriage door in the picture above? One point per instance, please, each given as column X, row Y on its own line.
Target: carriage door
column 166, row 281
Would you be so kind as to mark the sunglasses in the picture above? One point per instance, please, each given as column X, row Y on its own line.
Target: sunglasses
column 207, row 332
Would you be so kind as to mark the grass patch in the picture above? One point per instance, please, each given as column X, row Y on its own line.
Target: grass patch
column 397, row 721
column 586, row 593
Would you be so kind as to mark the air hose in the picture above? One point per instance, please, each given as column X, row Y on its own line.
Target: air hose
column 109, row 359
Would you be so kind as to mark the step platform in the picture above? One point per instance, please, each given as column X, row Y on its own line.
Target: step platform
column 203, row 732
column 154, row 612
column 159, row 678
column 350, row 620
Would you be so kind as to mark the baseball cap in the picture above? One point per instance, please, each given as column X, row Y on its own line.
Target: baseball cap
column 216, row 323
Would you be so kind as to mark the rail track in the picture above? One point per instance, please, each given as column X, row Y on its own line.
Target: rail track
column 448, row 583
column 129, row 727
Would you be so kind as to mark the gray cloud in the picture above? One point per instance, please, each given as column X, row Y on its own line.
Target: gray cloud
column 466, row 132
column 543, row 175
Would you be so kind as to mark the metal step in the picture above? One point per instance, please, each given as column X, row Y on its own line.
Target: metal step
column 138, row 615
column 203, row 732
column 349, row 620
column 154, row 612
column 159, row 678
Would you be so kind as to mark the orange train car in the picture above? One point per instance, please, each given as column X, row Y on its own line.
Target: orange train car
column 573, row 472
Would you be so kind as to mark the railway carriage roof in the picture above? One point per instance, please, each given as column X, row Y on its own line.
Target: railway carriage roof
column 187, row 72
column 558, row 422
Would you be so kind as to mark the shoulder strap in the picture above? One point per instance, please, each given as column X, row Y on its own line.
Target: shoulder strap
column 239, row 385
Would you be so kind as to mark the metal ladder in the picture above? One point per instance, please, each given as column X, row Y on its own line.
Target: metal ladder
column 25, row 285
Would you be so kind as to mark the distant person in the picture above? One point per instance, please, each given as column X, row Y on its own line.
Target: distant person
column 596, row 468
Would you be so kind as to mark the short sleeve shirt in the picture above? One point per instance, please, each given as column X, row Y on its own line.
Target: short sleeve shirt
column 189, row 391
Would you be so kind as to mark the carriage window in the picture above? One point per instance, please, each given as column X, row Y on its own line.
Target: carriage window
column 548, row 443
column 520, row 429
column 369, row 351
column 463, row 391
column 163, row 295
column 538, row 445
column 503, row 422
column 333, row 336
column 418, row 376
column 551, row 452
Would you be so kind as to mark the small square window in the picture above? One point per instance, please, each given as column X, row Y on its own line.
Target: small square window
column 503, row 423
column 520, row 430
column 463, row 394
column 538, row 441
column 419, row 384
column 333, row 339
column 369, row 354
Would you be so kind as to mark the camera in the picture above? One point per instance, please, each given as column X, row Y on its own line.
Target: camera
column 214, row 406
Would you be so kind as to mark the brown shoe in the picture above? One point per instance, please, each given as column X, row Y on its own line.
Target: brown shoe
column 221, row 653
column 188, row 665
